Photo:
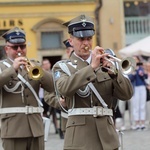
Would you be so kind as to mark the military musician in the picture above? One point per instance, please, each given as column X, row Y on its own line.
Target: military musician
column 21, row 110
column 89, row 90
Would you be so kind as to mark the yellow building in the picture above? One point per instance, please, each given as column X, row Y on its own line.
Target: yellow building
column 42, row 20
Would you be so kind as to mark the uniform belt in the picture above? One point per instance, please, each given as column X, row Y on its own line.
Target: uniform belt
column 64, row 115
column 95, row 111
column 26, row 110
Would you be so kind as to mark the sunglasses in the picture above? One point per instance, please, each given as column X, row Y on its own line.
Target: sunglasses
column 15, row 47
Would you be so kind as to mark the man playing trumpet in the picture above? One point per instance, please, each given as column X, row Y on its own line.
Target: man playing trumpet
column 89, row 91
column 21, row 120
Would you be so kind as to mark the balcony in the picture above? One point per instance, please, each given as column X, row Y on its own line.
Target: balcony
column 136, row 28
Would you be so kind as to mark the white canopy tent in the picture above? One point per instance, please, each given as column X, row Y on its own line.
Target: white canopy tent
column 141, row 47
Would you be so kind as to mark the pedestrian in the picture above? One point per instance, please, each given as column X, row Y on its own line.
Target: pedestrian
column 140, row 95
column 49, row 110
column 46, row 65
column 21, row 109
column 88, row 90
column 123, row 107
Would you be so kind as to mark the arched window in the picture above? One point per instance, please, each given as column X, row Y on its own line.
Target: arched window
column 50, row 34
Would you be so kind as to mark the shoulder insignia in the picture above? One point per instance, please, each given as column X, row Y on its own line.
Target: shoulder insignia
column 2, row 60
column 57, row 75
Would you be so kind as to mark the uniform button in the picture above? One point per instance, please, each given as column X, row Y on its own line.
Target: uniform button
column 27, row 95
column 88, row 78
column 30, row 79
column 73, row 122
column 10, row 83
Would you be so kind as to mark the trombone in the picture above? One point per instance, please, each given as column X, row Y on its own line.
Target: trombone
column 127, row 65
column 34, row 72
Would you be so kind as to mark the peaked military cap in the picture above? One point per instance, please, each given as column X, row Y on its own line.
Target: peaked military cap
column 15, row 36
column 66, row 43
column 81, row 26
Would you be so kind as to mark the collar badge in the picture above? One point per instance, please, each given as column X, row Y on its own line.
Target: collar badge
column 75, row 61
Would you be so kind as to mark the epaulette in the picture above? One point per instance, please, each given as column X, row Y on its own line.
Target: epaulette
column 2, row 60
column 35, row 62
column 68, row 61
column 63, row 61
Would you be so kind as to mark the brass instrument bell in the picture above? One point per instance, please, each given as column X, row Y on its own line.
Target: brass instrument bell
column 127, row 65
column 34, row 72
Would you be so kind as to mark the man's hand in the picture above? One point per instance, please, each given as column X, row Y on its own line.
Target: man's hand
column 18, row 62
column 62, row 102
column 98, row 56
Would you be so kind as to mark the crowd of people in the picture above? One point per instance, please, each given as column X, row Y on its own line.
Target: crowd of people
column 83, row 87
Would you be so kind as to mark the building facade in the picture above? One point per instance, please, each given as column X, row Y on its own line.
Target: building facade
column 137, row 20
column 42, row 21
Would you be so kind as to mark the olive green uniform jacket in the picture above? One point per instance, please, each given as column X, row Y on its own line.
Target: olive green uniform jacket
column 52, row 100
column 20, row 125
column 86, row 132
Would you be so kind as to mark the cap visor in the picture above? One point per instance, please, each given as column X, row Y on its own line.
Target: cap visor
column 84, row 33
column 17, row 41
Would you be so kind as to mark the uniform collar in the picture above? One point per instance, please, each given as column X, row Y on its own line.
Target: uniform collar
column 77, row 58
column 77, row 61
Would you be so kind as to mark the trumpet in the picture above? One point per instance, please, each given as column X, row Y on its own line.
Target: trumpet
column 34, row 72
column 126, row 65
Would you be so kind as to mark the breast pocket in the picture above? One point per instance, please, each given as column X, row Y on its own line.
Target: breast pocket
column 104, row 83
column 75, row 131
column 102, row 76
column 5, row 123
column 6, row 116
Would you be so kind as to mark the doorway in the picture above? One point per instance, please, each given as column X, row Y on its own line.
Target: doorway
column 53, row 59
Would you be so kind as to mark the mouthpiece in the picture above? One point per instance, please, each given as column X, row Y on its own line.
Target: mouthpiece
column 86, row 48
column 19, row 54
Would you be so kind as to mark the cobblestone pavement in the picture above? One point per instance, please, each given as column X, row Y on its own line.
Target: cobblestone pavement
column 132, row 140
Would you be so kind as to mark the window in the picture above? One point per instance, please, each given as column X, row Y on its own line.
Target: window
column 136, row 8
column 51, row 40
column 1, row 33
